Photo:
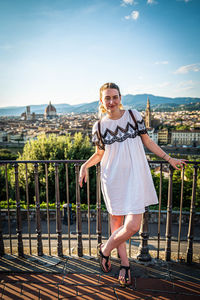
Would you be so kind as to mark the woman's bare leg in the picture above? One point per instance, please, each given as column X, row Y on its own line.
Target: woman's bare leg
column 116, row 222
column 131, row 226
column 122, row 234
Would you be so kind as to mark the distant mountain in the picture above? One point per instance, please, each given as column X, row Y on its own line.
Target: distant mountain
column 139, row 101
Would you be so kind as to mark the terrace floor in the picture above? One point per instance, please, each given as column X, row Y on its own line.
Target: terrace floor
column 70, row 277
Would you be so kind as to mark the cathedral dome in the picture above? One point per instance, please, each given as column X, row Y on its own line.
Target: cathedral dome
column 50, row 111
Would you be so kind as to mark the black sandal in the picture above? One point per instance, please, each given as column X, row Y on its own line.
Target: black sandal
column 122, row 283
column 101, row 257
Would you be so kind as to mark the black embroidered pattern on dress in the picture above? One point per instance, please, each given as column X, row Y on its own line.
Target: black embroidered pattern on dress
column 119, row 135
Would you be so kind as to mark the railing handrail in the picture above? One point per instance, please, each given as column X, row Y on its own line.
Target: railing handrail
column 78, row 161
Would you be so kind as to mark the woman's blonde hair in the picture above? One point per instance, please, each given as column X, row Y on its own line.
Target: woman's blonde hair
column 105, row 86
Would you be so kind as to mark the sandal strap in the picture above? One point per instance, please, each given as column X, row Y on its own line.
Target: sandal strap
column 103, row 256
column 126, row 273
column 125, row 267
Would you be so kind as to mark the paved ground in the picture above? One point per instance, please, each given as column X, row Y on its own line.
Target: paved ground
column 46, row 277
column 70, row 277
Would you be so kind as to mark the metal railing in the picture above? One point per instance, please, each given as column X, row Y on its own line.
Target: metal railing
column 143, row 250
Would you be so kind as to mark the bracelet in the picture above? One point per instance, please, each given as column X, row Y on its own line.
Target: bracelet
column 164, row 155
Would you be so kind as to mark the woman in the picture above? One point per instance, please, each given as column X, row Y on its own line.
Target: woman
column 126, row 180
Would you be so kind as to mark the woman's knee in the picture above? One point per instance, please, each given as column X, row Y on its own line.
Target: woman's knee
column 132, row 228
column 133, row 225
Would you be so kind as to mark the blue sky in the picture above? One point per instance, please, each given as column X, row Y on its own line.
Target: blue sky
column 64, row 50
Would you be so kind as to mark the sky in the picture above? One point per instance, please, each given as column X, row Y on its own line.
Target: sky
column 64, row 50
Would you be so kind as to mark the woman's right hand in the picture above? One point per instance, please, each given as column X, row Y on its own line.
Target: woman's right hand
column 82, row 175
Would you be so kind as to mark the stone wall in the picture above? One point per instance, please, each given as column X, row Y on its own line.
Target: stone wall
column 153, row 215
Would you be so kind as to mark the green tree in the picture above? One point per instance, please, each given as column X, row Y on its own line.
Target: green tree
column 54, row 148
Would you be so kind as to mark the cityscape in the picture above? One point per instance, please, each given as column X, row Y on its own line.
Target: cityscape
column 58, row 231
column 173, row 129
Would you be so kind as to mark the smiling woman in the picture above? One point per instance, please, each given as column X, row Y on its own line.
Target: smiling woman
column 126, row 181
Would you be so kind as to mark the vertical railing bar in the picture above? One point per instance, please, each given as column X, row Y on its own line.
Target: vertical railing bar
column 88, row 202
column 109, row 229
column 98, row 192
column 192, row 215
column 28, row 211
column 48, row 212
column 159, row 210
column 2, row 250
column 143, row 251
column 169, row 217
column 38, row 220
column 68, row 209
column 7, row 198
column 18, row 214
column 130, row 248
column 58, row 214
column 78, row 212
column 180, row 215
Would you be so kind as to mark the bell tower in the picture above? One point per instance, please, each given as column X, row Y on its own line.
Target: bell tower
column 148, row 114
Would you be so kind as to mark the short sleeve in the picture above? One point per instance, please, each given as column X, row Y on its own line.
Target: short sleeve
column 95, row 137
column 141, row 125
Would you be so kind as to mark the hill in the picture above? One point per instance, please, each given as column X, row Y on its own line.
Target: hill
column 158, row 103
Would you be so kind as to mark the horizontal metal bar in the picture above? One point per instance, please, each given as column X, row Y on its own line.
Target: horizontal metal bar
column 2, row 162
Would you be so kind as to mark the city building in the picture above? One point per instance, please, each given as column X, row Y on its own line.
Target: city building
column 163, row 136
column 27, row 116
column 50, row 111
column 148, row 114
column 153, row 134
column 150, row 121
column 183, row 137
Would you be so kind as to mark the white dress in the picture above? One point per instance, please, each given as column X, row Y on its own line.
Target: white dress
column 126, row 180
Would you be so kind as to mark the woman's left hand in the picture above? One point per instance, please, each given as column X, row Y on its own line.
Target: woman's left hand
column 177, row 163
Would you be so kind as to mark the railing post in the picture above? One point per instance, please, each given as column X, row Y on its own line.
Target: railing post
column 7, row 198
column 68, row 210
column 88, row 202
column 58, row 214
column 98, row 193
column 144, row 236
column 2, row 251
column 18, row 213
column 169, row 217
column 28, row 211
column 47, row 201
column 192, row 214
column 180, row 215
column 78, row 214
column 38, row 221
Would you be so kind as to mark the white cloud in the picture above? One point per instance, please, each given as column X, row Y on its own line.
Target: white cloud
column 186, row 1
column 150, row 2
column 128, row 2
column 164, row 62
column 188, row 68
column 134, row 15
column 186, row 83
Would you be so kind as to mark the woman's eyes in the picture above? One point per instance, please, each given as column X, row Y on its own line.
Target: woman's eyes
column 114, row 98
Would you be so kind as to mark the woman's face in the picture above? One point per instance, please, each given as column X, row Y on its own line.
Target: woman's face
column 111, row 99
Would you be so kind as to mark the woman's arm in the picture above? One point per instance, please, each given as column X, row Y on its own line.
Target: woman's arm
column 153, row 147
column 93, row 160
